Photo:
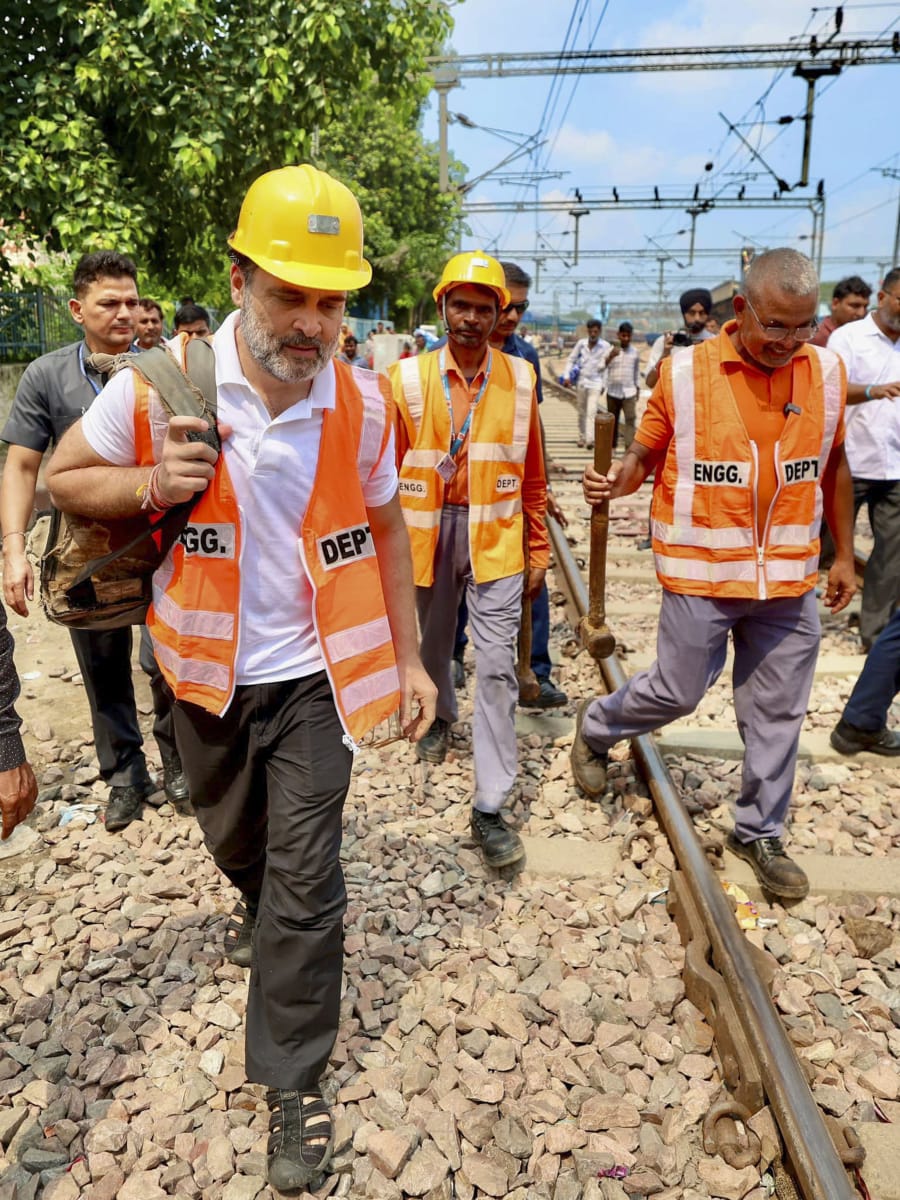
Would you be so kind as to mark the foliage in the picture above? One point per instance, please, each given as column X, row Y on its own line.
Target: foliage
column 140, row 124
column 410, row 225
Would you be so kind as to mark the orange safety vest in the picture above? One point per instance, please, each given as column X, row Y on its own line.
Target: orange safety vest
column 704, row 510
column 194, row 618
column 498, row 444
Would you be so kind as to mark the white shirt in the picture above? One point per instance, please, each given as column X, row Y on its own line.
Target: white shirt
column 622, row 379
column 590, row 360
column 272, row 465
column 873, row 427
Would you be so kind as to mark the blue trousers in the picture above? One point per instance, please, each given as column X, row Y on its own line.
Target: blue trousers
column 881, row 582
column 878, row 683
column 776, row 643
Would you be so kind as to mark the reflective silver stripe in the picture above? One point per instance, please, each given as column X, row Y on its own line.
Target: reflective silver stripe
column 831, row 382
column 788, row 570
column 710, row 539
column 371, row 687
column 500, row 509
column 192, row 622
column 793, row 535
column 371, row 436
column 191, row 670
column 704, row 572
column 493, row 452
column 162, row 576
column 358, row 639
column 685, row 437
column 524, row 374
column 422, row 458
column 422, row 520
column 411, row 382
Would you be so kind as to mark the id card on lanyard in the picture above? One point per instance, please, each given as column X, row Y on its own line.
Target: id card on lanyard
column 446, row 467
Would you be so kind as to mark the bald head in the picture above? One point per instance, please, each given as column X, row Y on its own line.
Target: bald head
column 783, row 270
column 776, row 311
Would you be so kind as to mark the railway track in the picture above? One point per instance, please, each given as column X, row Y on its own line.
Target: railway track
column 725, row 976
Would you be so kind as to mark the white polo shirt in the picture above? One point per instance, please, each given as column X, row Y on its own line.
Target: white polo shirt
column 272, row 465
column 873, row 427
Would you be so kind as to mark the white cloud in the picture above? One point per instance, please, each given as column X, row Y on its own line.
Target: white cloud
column 711, row 23
column 604, row 160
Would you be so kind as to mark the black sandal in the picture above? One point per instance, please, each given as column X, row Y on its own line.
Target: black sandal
column 239, row 934
column 298, row 1122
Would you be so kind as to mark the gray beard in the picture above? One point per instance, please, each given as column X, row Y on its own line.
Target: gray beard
column 267, row 349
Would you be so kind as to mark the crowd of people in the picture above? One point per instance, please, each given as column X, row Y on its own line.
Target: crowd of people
column 357, row 524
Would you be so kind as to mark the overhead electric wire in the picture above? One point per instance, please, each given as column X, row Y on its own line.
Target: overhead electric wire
column 575, row 83
column 759, row 105
column 552, row 95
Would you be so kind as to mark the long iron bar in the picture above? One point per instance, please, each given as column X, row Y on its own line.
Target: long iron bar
column 810, row 1150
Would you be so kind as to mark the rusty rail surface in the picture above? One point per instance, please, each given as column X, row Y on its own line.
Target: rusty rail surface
column 738, row 1004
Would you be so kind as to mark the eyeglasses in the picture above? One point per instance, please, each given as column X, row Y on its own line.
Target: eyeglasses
column 779, row 333
column 520, row 306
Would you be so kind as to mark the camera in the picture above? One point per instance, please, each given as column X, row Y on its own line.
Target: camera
column 681, row 337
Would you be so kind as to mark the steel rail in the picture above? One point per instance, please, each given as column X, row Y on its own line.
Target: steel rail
column 808, row 1145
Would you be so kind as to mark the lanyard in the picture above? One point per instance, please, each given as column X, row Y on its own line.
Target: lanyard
column 98, row 388
column 457, row 439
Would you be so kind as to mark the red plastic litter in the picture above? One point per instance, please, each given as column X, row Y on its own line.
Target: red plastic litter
column 861, row 1185
column 617, row 1172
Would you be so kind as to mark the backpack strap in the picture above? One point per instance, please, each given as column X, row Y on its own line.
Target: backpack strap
column 182, row 394
column 190, row 393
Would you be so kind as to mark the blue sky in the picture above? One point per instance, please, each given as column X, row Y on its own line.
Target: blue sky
column 635, row 131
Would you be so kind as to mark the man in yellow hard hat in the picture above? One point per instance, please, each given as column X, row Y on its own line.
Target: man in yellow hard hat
column 474, row 493
column 283, row 619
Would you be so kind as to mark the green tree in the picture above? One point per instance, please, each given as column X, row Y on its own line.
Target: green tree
column 140, row 124
column 411, row 226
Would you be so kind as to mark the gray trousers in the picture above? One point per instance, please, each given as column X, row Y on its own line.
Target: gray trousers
column 495, row 613
column 624, row 409
column 776, row 643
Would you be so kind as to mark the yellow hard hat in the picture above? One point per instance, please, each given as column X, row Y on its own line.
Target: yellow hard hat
column 304, row 227
column 473, row 266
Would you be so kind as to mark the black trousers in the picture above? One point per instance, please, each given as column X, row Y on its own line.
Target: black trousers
column 104, row 659
column 267, row 782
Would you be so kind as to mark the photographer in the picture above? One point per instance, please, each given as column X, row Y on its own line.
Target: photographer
column 695, row 305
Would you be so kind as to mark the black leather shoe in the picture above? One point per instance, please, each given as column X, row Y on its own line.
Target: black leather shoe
column 500, row 845
column 175, row 785
column 776, row 872
column 550, row 696
column 433, row 746
column 124, row 806
column 850, row 740
column 588, row 767
column 457, row 673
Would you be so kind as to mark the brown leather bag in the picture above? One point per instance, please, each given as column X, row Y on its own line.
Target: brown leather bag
column 99, row 574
